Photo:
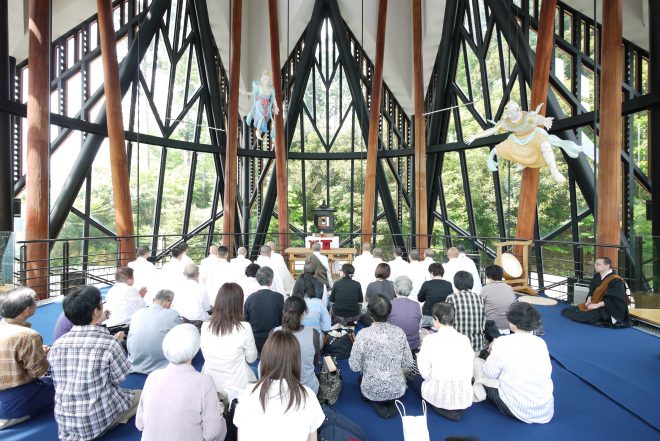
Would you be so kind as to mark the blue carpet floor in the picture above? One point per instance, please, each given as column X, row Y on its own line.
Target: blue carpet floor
column 583, row 410
column 624, row 364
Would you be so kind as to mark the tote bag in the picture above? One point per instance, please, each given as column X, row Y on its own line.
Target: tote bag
column 414, row 427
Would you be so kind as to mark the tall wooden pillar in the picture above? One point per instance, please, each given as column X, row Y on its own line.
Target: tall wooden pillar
column 374, row 126
column 118, row 164
column 278, row 120
column 421, row 216
column 38, row 122
column 529, row 185
column 609, row 149
column 231, row 155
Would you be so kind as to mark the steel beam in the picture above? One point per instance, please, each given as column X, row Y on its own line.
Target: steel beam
column 127, row 73
column 301, row 75
column 6, row 156
column 438, row 123
column 362, row 112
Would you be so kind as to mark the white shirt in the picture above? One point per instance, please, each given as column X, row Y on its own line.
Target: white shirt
column 445, row 362
column 191, row 300
column 249, row 285
column 122, row 301
column 216, row 273
column 172, row 273
column 275, row 425
column 226, row 357
column 144, row 275
column 278, row 273
column 326, row 264
column 363, row 270
column 287, row 278
column 238, row 265
column 457, row 264
column 186, row 260
column 418, row 272
column 398, row 267
column 521, row 363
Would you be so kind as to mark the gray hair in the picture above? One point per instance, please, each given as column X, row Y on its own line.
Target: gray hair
column 181, row 344
column 265, row 276
column 403, row 286
column 413, row 254
column 316, row 246
column 164, row 295
column 428, row 252
column 191, row 271
column 377, row 252
column 14, row 302
column 242, row 251
column 265, row 250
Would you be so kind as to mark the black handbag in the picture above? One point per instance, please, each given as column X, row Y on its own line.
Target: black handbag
column 330, row 383
column 339, row 346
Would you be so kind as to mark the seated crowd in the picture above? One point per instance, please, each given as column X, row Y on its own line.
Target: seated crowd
column 418, row 330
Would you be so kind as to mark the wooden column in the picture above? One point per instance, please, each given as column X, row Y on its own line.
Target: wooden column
column 118, row 164
column 421, row 210
column 609, row 149
column 529, row 185
column 38, row 145
column 374, row 126
column 231, row 155
column 280, row 147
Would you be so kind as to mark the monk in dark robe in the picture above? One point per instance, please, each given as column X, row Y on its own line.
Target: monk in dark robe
column 607, row 302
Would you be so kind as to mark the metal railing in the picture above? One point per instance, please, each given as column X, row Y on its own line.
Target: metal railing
column 554, row 267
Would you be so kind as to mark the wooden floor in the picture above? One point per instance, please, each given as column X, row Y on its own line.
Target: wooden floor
column 651, row 316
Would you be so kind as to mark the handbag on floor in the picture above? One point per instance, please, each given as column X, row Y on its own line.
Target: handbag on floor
column 329, row 381
column 337, row 427
column 414, row 427
column 338, row 343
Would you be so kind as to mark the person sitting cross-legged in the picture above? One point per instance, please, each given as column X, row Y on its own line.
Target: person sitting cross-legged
column 381, row 352
column 228, row 343
column 346, row 297
column 498, row 296
column 470, row 318
column 263, row 309
column 279, row 407
column 308, row 337
column 445, row 364
column 88, row 365
column 148, row 329
column 406, row 313
column 23, row 391
column 521, row 363
column 317, row 315
column 178, row 402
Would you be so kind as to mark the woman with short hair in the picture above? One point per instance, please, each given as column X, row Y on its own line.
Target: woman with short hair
column 227, row 342
column 308, row 338
column 346, row 297
column 445, row 363
column 178, row 402
column 279, row 407
column 381, row 352
column 521, row 363
column 406, row 313
column 381, row 285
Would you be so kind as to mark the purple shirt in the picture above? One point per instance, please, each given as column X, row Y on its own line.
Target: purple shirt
column 406, row 314
column 62, row 326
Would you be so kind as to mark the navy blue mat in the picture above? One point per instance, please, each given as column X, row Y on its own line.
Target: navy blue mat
column 624, row 364
column 574, row 418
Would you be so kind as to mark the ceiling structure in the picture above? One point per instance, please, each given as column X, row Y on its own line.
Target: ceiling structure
column 360, row 15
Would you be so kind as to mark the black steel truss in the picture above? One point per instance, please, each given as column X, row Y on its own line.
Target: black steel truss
column 472, row 30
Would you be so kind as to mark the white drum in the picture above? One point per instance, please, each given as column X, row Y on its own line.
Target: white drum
column 511, row 266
